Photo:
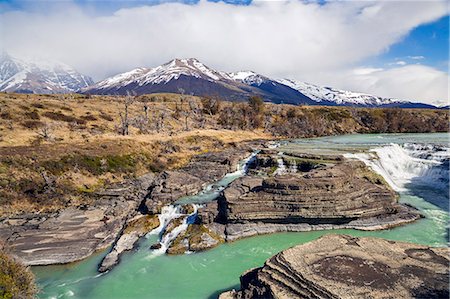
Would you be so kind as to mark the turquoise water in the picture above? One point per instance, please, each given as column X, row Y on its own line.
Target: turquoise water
column 142, row 274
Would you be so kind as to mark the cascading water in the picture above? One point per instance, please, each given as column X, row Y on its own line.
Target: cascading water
column 209, row 193
column 168, row 214
column 293, row 167
column 416, row 169
column 200, row 275
column 401, row 165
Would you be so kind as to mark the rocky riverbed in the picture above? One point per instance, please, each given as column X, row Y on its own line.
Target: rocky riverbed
column 340, row 266
column 295, row 193
column 75, row 233
column 281, row 192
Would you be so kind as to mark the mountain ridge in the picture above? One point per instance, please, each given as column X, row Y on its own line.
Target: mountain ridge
column 196, row 78
column 44, row 77
column 182, row 75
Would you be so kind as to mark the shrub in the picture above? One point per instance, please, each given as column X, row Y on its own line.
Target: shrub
column 32, row 115
column 38, row 105
column 89, row 117
column 106, row 116
column 63, row 117
column 32, row 124
column 16, row 280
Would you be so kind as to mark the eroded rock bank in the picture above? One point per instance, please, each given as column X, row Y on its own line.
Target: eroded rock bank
column 341, row 266
column 287, row 193
column 165, row 189
column 72, row 233
column 202, row 170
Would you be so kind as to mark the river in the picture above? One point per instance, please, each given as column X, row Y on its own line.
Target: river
column 416, row 165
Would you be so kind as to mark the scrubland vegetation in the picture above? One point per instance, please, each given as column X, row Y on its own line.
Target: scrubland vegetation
column 58, row 150
column 16, row 280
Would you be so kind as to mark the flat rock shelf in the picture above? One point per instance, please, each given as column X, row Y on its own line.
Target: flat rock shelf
column 341, row 266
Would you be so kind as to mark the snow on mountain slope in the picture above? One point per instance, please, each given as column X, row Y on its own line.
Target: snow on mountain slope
column 39, row 76
column 163, row 74
column 198, row 79
column 248, row 77
column 340, row 97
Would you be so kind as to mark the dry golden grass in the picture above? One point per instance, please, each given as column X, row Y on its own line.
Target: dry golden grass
column 94, row 119
column 84, row 133
column 84, row 151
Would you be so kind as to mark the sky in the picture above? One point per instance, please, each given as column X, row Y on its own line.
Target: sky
column 397, row 49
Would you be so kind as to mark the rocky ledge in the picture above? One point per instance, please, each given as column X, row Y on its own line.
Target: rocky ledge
column 73, row 234
column 202, row 170
column 134, row 230
column 339, row 194
column 341, row 266
column 306, row 193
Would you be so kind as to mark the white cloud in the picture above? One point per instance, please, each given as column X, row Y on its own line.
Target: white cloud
column 416, row 57
column 296, row 39
column 417, row 83
column 400, row 62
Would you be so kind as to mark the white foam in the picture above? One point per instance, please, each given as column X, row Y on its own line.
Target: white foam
column 401, row 165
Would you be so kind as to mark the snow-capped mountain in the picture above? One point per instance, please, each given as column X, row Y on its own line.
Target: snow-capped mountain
column 248, row 77
column 39, row 77
column 188, row 74
column 337, row 96
column 195, row 78
column 163, row 74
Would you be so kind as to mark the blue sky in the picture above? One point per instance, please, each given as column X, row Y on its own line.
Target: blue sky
column 389, row 48
column 430, row 41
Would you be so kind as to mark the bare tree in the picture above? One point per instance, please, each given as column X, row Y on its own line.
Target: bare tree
column 46, row 132
column 124, row 117
column 184, row 111
column 211, row 105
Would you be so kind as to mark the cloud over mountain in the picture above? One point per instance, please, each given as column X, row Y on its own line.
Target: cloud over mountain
column 303, row 40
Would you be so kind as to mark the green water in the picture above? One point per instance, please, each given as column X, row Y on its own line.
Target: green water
column 203, row 275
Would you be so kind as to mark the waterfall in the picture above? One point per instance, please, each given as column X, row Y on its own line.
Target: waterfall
column 168, row 214
column 243, row 166
column 212, row 191
column 403, row 165
column 209, row 193
column 281, row 169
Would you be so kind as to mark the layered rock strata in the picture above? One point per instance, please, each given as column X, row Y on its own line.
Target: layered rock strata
column 343, row 194
column 134, row 230
column 340, row 266
column 73, row 234
column 204, row 169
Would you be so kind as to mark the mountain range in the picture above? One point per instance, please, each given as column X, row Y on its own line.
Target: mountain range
column 43, row 77
column 182, row 75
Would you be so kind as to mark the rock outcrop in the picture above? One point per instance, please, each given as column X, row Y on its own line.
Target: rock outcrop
column 197, row 237
column 333, row 194
column 73, row 234
column 204, row 169
column 328, row 194
column 340, row 266
column 134, row 230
